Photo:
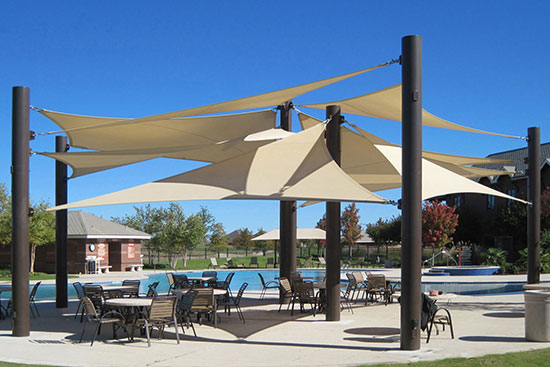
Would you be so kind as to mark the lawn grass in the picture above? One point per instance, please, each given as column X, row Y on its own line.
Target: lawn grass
column 33, row 276
column 540, row 357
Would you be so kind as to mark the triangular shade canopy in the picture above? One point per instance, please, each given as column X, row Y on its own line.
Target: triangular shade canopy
column 298, row 167
column 386, row 104
column 301, row 234
column 207, row 139
column 438, row 181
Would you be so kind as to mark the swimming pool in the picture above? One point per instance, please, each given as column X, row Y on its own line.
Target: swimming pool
column 47, row 291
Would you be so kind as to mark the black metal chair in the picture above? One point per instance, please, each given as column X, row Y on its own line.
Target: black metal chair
column 132, row 292
column 212, row 274
column 112, row 317
column 236, row 302
column 304, row 294
column 152, row 290
column 79, row 293
column 431, row 315
column 272, row 284
column 95, row 294
column 183, row 310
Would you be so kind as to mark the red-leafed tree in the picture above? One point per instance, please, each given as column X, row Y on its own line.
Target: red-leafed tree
column 351, row 230
column 439, row 222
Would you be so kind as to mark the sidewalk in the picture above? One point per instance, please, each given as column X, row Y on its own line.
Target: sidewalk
column 483, row 325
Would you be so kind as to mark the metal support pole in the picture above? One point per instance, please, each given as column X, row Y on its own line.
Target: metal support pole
column 287, row 220
column 20, row 250
column 333, row 222
column 61, row 297
column 411, row 227
column 533, row 217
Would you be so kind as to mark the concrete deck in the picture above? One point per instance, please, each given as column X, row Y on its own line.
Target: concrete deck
column 483, row 325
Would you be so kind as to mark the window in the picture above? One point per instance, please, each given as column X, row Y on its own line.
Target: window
column 490, row 201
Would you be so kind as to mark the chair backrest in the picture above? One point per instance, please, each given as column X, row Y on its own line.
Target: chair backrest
column 376, row 281
column 134, row 291
column 152, row 290
column 262, row 279
column 180, row 281
column 162, row 308
column 78, row 289
column 210, row 273
column 89, row 308
column 270, row 261
column 358, row 277
column 240, row 293
column 113, row 293
column 204, row 298
column 253, row 260
column 284, row 285
column 427, row 309
column 95, row 294
column 213, row 261
column 322, row 260
column 304, row 290
column 186, row 302
column 33, row 291
column 351, row 279
column 228, row 279
column 171, row 281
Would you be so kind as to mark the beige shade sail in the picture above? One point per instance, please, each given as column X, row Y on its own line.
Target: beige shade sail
column 438, row 181
column 269, row 99
column 298, row 167
column 301, row 234
column 160, row 133
column 386, row 104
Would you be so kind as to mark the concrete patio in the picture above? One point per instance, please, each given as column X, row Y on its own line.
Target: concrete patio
column 483, row 325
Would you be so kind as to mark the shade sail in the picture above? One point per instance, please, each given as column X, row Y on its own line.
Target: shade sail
column 159, row 133
column 386, row 104
column 298, row 167
column 438, row 181
column 301, row 234
column 269, row 99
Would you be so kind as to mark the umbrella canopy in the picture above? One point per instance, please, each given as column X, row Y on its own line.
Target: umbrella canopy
column 301, row 234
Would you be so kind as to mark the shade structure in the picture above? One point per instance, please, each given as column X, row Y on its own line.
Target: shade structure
column 369, row 167
column 386, row 104
column 207, row 139
column 301, row 234
column 298, row 167
column 438, row 181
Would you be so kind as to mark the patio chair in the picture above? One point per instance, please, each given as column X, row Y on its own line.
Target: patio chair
column 152, row 290
column 308, row 263
column 361, row 284
column 79, row 293
column 376, row 288
column 213, row 263
column 226, row 286
column 181, row 282
column 161, row 314
column 212, row 274
column 345, row 298
column 254, row 262
column 95, row 293
column 134, row 291
column 236, row 302
column 112, row 317
column 304, row 293
column 171, row 282
column 203, row 304
column 183, row 310
column 431, row 315
column 322, row 262
column 272, row 284
column 31, row 301
column 270, row 261
column 285, row 291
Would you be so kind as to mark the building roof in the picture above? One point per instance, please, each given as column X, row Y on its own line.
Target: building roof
column 365, row 238
column 518, row 158
column 86, row 225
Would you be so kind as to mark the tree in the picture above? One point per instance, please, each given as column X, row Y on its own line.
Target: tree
column 321, row 224
column 5, row 215
column 351, row 230
column 41, row 229
column 439, row 222
column 244, row 239
column 385, row 230
column 218, row 237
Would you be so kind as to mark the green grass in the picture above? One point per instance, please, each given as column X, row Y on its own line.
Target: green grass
column 537, row 358
column 6, row 275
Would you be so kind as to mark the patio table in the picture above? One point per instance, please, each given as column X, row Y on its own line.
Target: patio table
column 217, row 293
column 201, row 280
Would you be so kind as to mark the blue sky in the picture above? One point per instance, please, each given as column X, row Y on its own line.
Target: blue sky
column 484, row 66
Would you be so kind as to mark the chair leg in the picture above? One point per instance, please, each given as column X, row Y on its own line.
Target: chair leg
column 97, row 331
column 148, row 334
column 36, row 308
column 83, row 330
column 77, row 309
column 176, row 327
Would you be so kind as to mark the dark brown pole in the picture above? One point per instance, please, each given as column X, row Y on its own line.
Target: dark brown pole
column 61, row 297
column 533, row 217
column 20, row 251
column 333, row 222
column 287, row 220
column 411, row 227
